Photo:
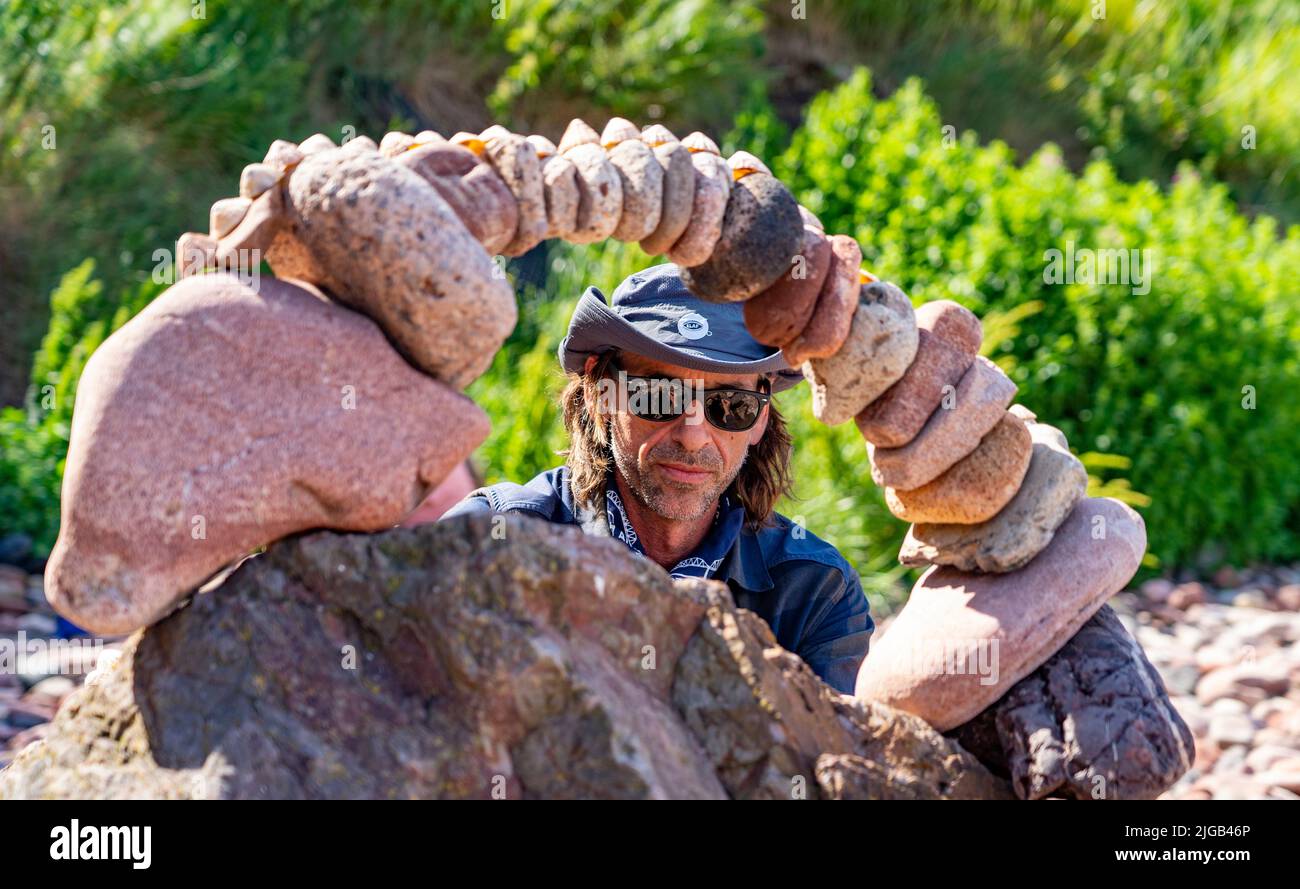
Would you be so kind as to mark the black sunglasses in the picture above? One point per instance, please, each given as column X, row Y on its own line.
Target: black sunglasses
column 660, row 399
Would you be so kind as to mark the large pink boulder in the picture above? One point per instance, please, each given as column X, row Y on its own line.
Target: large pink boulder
column 221, row 419
column 962, row 640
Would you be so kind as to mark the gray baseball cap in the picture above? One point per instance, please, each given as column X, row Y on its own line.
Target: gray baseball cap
column 653, row 314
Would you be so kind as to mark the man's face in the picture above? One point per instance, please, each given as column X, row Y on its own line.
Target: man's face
column 679, row 468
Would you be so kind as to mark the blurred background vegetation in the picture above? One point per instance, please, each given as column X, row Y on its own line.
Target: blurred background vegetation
column 957, row 141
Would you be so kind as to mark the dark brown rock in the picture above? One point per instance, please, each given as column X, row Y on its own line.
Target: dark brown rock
column 1093, row 722
column 776, row 315
column 766, row 722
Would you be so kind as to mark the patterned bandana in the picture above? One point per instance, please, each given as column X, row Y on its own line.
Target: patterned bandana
column 704, row 562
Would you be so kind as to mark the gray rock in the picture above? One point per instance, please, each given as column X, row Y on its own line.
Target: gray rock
column 761, row 233
column 481, row 656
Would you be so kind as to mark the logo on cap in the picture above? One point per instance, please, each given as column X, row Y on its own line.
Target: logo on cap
column 693, row 326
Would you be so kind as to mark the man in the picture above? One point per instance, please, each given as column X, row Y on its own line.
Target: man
column 676, row 450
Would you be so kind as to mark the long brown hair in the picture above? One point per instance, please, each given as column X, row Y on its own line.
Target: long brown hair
column 762, row 480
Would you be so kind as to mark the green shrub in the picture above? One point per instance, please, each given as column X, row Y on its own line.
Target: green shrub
column 690, row 58
column 34, row 443
column 1156, row 378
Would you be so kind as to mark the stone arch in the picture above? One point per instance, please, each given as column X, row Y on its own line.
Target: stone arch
column 405, row 232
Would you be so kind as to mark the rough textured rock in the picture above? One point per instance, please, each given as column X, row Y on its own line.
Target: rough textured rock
column 600, row 193
column 394, row 249
column 190, row 448
column 832, row 315
column 516, row 162
column 764, row 718
column 1055, row 482
column 560, row 180
column 471, row 188
column 962, row 640
column 708, row 206
column 761, row 233
column 1093, row 722
column 643, row 189
column 975, row 488
column 954, row 429
column 678, row 197
column 881, row 344
column 949, row 340
column 476, row 657
column 776, row 315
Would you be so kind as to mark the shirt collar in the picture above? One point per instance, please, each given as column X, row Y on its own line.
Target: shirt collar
column 746, row 565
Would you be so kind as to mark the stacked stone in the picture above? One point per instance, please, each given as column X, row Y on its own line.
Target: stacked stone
column 404, row 232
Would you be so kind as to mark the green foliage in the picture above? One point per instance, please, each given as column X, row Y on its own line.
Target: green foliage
column 154, row 112
column 1158, row 377
column 1146, row 84
column 627, row 56
column 31, row 467
column 34, row 442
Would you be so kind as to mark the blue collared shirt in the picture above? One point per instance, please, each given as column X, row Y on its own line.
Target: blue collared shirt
column 806, row 591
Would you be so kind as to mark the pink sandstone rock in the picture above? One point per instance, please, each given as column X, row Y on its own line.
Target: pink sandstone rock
column 220, row 419
column 962, row 640
column 777, row 315
column 832, row 316
column 678, row 197
column 600, row 192
column 950, row 338
column 516, row 162
column 953, row 430
column 643, row 189
column 708, row 206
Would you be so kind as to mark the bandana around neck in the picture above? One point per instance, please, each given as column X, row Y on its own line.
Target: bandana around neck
column 722, row 534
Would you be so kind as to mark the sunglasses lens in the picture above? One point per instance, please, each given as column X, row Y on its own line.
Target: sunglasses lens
column 732, row 410
column 657, row 400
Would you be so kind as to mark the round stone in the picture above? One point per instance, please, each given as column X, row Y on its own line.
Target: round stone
column 880, row 346
column 395, row 250
column 832, row 316
column 643, row 189
column 761, row 233
column 600, row 193
column 943, row 355
column 678, row 197
column 709, row 205
column 777, row 315
column 1055, row 483
column 977, row 486
column 964, row 416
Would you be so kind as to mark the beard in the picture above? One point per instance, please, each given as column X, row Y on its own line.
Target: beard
column 666, row 497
